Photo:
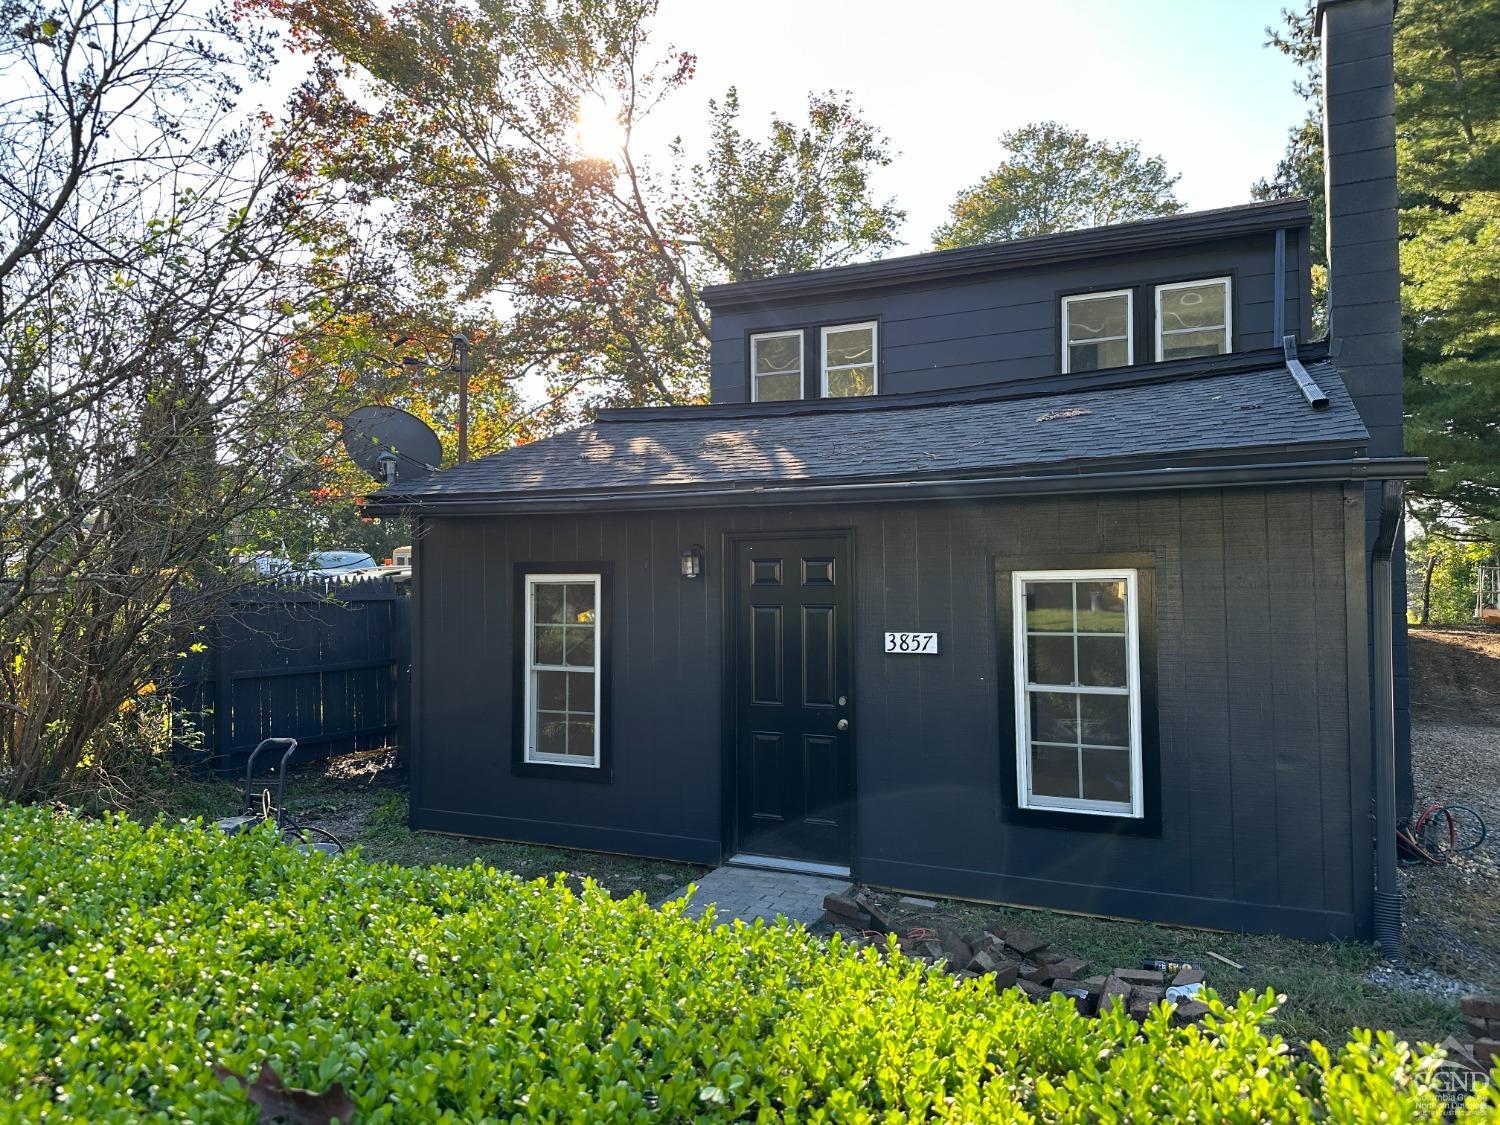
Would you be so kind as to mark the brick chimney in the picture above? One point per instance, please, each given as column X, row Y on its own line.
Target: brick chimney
column 1364, row 269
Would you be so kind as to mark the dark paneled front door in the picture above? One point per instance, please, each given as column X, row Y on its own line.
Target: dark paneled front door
column 790, row 686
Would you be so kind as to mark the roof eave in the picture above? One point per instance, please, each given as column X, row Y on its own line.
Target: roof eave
column 1189, row 473
column 944, row 265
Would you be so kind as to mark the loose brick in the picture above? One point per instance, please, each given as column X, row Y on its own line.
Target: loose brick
column 988, row 942
column 1033, row 991
column 1151, row 994
column 1481, row 1007
column 1189, row 1011
column 1075, row 991
column 879, row 919
column 1073, row 967
column 1024, row 943
column 841, row 906
column 958, row 950
column 982, row 962
column 1006, row 974
column 1114, row 992
column 934, row 951
column 1140, row 1009
column 1481, row 1029
column 1189, row 975
column 1138, row 976
column 1037, row 974
column 1486, row 1051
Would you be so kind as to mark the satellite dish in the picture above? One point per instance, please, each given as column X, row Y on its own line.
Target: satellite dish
column 390, row 444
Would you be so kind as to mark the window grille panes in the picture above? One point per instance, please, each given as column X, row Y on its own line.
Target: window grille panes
column 562, row 670
column 1077, row 692
column 849, row 361
column 1193, row 319
column 776, row 365
column 1096, row 331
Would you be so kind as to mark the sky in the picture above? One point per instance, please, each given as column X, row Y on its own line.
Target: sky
column 1189, row 79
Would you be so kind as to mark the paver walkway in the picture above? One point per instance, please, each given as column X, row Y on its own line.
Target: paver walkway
column 749, row 893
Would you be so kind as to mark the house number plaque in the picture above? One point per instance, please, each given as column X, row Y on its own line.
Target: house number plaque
column 925, row 644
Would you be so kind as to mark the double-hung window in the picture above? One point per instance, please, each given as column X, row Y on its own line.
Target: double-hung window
column 849, row 360
column 562, row 672
column 1078, row 691
column 775, row 366
column 1193, row 318
column 1096, row 331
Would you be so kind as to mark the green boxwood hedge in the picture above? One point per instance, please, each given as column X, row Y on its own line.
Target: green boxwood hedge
column 134, row 958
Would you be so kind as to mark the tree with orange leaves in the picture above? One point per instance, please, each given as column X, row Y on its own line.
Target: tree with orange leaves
column 469, row 123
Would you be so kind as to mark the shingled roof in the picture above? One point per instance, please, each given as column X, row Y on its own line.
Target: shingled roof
column 1235, row 416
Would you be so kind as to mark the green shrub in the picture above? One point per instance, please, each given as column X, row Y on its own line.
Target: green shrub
column 133, row 958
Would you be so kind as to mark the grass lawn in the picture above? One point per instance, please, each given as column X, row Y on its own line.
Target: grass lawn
column 1452, row 913
column 363, row 802
column 1327, row 985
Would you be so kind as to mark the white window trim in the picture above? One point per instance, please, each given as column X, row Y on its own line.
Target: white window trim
column 874, row 364
column 755, row 338
column 1024, row 797
column 1162, row 331
column 1129, row 337
column 530, row 755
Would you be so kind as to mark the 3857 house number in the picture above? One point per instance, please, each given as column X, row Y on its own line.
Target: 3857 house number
column 924, row 644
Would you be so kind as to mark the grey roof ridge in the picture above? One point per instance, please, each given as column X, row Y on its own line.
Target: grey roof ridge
column 1089, row 242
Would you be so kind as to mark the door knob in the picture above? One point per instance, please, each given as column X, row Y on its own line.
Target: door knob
column 843, row 724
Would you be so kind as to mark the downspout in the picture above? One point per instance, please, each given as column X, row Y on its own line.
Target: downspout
column 1278, row 290
column 1387, row 893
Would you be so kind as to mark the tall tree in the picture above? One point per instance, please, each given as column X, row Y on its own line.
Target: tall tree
column 155, row 267
column 1448, row 148
column 1299, row 172
column 1447, row 57
column 1054, row 179
column 801, row 199
column 504, row 137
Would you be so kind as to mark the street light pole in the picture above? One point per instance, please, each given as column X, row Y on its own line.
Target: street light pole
column 461, row 365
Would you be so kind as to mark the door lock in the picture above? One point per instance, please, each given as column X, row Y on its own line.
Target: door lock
column 843, row 701
column 843, row 724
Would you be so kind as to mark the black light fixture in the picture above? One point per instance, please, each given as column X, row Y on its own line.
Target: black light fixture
column 692, row 562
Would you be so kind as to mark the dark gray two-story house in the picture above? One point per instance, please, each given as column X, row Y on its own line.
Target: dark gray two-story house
column 1050, row 572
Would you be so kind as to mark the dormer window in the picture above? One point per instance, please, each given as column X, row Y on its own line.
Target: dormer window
column 776, row 363
column 1193, row 319
column 849, row 363
column 1096, row 331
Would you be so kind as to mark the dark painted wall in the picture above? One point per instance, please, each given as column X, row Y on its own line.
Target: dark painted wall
column 1007, row 326
column 1263, row 732
column 1364, row 270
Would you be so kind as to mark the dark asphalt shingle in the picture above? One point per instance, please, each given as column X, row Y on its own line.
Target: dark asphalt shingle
column 693, row 447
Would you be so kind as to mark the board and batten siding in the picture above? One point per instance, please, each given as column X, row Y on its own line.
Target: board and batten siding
column 1264, row 740
column 1006, row 326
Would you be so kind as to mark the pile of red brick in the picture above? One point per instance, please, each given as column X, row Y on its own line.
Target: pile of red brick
column 1014, row 958
column 1482, row 1021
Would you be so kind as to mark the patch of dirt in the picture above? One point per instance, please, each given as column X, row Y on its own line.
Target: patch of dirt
column 1455, row 674
column 1452, row 915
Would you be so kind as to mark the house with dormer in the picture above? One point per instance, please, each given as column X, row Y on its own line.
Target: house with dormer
column 1053, row 572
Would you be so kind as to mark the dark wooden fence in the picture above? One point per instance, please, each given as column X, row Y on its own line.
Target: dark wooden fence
column 326, row 663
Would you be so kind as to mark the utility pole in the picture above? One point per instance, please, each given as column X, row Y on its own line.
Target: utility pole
column 460, row 364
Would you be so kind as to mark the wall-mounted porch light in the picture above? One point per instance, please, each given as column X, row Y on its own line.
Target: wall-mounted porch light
column 692, row 562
